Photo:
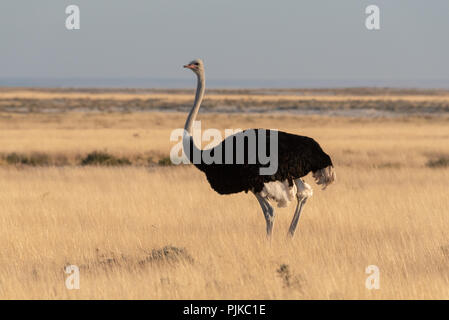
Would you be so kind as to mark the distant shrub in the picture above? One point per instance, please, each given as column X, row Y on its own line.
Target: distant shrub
column 284, row 273
column 440, row 162
column 98, row 158
column 14, row 158
column 289, row 279
column 388, row 165
column 168, row 255
column 34, row 159
column 166, row 161
column 60, row 160
column 150, row 161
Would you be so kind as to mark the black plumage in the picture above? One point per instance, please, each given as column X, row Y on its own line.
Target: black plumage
column 297, row 156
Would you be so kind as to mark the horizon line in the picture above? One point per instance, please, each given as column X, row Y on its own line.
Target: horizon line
column 184, row 82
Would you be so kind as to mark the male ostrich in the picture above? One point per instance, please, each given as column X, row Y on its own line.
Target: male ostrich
column 296, row 156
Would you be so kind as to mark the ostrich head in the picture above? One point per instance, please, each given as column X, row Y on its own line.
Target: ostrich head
column 196, row 66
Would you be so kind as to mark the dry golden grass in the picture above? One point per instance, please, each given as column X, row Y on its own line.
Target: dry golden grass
column 107, row 221
column 351, row 141
column 387, row 209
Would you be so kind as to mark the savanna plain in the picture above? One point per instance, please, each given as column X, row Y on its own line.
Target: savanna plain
column 87, row 184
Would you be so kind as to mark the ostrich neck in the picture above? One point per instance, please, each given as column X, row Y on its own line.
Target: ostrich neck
column 196, row 105
column 187, row 141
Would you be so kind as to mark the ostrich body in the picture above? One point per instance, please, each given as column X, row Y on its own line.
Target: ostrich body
column 296, row 156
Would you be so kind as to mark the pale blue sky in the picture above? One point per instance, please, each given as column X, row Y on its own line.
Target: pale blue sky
column 238, row 39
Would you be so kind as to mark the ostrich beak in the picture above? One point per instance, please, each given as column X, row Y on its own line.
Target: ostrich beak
column 189, row 66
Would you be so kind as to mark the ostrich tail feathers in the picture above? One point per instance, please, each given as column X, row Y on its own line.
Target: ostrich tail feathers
column 325, row 176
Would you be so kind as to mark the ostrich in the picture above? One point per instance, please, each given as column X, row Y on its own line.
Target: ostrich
column 296, row 157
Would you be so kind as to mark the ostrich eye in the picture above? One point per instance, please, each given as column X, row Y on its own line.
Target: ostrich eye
column 196, row 63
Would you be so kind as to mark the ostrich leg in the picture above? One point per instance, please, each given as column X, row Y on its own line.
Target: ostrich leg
column 304, row 191
column 268, row 213
column 299, row 206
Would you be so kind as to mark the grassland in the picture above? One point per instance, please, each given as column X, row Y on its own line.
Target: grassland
column 147, row 231
column 364, row 101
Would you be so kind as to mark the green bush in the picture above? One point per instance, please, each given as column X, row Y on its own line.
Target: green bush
column 441, row 162
column 98, row 158
column 165, row 162
column 34, row 159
